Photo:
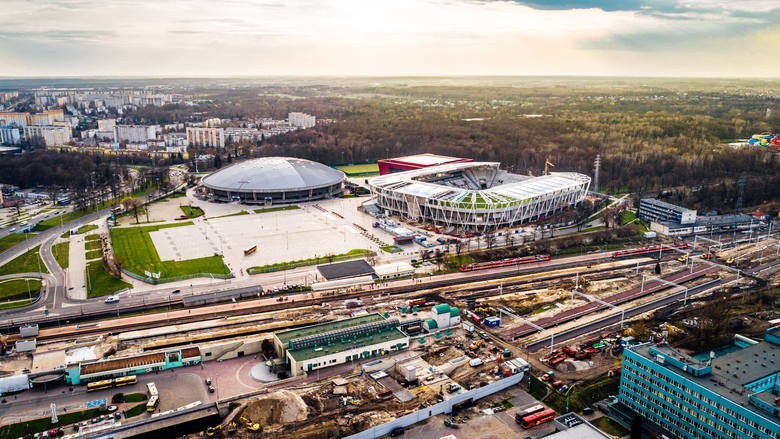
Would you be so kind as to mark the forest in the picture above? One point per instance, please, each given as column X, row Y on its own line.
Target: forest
column 653, row 135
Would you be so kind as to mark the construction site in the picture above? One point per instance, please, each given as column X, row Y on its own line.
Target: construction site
column 335, row 364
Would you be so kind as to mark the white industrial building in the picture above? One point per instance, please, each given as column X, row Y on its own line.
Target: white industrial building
column 443, row 316
column 394, row 270
column 331, row 343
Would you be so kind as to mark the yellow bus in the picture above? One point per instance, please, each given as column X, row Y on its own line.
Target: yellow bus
column 125, row 381
column 152, row 404
column 100, row 385
column 151, row 389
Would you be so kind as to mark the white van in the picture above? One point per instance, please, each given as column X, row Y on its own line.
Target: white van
column 475, row 362
column 112, row 299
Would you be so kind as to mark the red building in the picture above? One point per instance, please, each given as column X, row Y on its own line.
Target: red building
column 410, row 162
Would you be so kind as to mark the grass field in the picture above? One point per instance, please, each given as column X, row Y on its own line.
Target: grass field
column 9, row 241
column 277, row 209
column 61, row 252
column 92, row 245
column 135, row 410
column 25, row 263
column 135, row 251
column 352, row 254
column 16, row 289
column 94, row 254
column 62, row 218
column 44, row 424
column 191, row 211
column 87, row 228
column 92, row 237
column 100, row 283
column 362, row 169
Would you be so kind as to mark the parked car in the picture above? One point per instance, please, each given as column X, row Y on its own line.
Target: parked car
column 397, row 431
column 208, row 381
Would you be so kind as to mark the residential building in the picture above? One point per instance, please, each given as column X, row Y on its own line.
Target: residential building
column 207, row 137
column 14, row 118
column 176, row 140
column 302, row 120
column 732, row 396
column 651, row 209
column 41, row 119
column 328, row 344
column 106, row 124
column 56, row 115
column 9, row 135
column 135, row 133
column 51, row 135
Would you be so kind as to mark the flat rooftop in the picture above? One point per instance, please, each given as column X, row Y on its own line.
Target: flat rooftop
column 285, row 336
column 387, row 335
column 342, row 270
column 664, row 205
column 730, row 372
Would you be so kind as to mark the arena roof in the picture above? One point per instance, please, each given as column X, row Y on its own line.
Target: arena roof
column 273, row 174
column 426, row 159
column 517, row 189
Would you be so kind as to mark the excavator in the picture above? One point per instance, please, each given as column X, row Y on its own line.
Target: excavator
column 547, row 165
column 248, row 424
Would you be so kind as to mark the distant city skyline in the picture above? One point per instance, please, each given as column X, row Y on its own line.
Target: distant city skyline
column 696, row 38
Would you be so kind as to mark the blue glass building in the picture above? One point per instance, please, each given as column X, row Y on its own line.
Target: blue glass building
column 728, row 397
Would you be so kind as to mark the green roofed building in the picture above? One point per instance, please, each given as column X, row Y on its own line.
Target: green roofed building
column 327, row 344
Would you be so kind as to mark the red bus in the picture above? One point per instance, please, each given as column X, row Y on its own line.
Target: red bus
column 537, row 418
column 529, row 411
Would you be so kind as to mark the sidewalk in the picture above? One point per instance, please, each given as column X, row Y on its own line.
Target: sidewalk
column 77, row 266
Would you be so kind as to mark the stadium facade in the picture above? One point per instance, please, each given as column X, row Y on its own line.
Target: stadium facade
column 476, row 196
column 274, row 180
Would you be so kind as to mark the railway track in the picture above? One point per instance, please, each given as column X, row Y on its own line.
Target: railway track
column 433, row 289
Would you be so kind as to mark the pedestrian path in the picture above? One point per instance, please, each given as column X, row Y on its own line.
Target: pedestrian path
column 77, row 266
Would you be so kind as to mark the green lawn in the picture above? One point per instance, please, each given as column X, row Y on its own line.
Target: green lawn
column 243, row 212
column 92, row 245
column 391, row 249
column 100, row 283
column 358, row 170
column 352, row 254
column 94, row 254
column 135, row 397
column 136, row 410
column 61, row 219
column 92, row 237
column 135, row 251
column 16, row 289
column 17, row 304
column 277, row 209
column 25, row 263
column 87, row 228
column 610, row 426
column 43, row 424
column 9, row 241
column 191, row 211
column 61, row 253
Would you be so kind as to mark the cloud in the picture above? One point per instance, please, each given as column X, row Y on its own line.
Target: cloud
column 343, row 37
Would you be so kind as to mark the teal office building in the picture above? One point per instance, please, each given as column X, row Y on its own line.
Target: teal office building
column 736, row 395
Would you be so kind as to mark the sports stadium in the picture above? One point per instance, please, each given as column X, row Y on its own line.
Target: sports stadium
column 476, row 196
column 274, row 180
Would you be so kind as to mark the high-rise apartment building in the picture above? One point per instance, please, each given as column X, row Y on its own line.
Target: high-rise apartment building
column 135, row 133
column 302, row 120
column 10, row 135
column 207, row 137
column 13, row 118
column 51, row 135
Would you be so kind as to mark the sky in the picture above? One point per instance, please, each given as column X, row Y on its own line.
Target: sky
column 693, row 38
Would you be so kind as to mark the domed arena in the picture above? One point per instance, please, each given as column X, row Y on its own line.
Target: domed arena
column 274, row 180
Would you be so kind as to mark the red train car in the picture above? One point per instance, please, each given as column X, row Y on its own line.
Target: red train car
column 648, row 250
column 505, row 262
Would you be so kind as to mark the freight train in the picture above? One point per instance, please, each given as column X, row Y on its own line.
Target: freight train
column 505, row 262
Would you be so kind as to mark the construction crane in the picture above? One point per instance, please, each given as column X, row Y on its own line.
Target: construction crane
column 547, row 165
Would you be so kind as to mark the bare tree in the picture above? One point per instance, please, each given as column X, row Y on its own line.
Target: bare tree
column 131, row 203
